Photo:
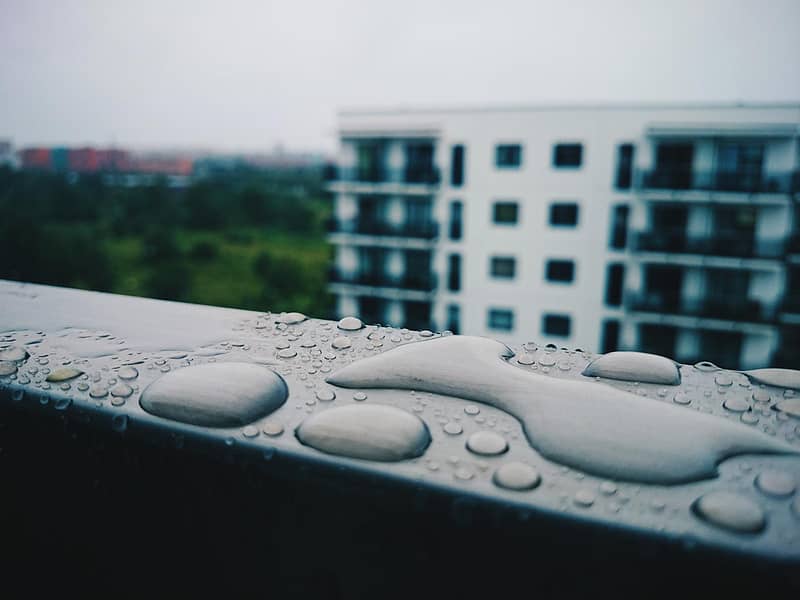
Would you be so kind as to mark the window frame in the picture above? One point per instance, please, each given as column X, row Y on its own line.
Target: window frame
column 561, row 146
column 498, row 203
column 508, row 147
column 547, row 270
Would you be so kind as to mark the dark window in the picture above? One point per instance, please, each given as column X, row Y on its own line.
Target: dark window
column 454, row 272
column 558, row 325
column 508, row 155
column 619, row 227
column 610, row 336
column 503, row 267
column 505, row 213
column 456, row 225
column 453, row 318
column 624, row 176
column 564, row 214
column 560, row 270
column 419, row 164
column 501, row 319
column 723, row 348
column 371, row 310
column 673, row 166
column 457, row 166
column 418, row 314
column 657, row 339
column 567, row 155
column 615, row 274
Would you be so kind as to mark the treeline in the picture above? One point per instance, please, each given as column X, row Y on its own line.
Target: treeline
column 59, row 230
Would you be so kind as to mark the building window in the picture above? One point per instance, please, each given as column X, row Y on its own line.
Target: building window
column 503, row 267
column 508, row 155
column 569, row 156
column 457, row 166
column 624, row 176
column 615, row 274
column 501, row 319
column 453, row 318
column 610, row 340
column 454, row 272
column 560, row 270
column 456, row 225
column 505, row 213
column 563, row 214
column 619, row 227
column 556, row 325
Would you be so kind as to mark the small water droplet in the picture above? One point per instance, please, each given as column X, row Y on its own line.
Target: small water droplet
column 128, row 373
column 730, row 511
column 350, row 324
column 723, row 380
column 359, row 396
column 749, row 418
column 526, row 359
column 761, row 396
column 453, row 428
column 341, row 343
column 471, row 409
column 250, row 431
column 287, row 353
column 775, row 483
column 425, row 333
column 736, row 404
column 516, row 476
column 14, row 354
column 608, row 488
column 791, row 407
column 462, row 472
column 98, row 391
column 63, row 374
column 7, row 368
column 547, row 361
column 272, row 429
column 291, row 318
column 706, row 366
column 487, row 443
column 583, row 498
column 121, row 390
column 325, row 395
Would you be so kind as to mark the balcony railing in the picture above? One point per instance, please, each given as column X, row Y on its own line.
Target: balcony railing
column 412, row 175
column 427, row 231
column 723, row 243
column 710, row 307
column 751, row 183
column 419, row 282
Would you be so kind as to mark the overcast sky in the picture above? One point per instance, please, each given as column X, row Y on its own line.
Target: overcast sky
column 238, row 74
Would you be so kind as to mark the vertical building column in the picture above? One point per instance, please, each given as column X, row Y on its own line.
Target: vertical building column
column 347, row 305
column 693, row 287
column 687, row 344
column 773, row 227
column 395, row 210
column 757, row 349
column 395, row 263
column 395, row 160
column 347, row 259
column 698, row 222
column 346, row 207
column 395, row 313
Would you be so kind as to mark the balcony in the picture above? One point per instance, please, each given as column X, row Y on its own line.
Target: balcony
column 715, row 181
column 710, row 307
column 414, row 175
column 424, row 231
column 415, row 282
column 728, row 244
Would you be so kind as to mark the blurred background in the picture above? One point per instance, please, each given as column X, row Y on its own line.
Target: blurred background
column 615, row 175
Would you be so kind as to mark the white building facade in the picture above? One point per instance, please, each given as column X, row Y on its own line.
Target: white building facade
column 671, row 229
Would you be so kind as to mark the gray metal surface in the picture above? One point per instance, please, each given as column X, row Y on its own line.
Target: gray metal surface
column 706, row 456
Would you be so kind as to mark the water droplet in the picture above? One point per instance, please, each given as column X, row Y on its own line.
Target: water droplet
column 287, row 353
column 341, row 343
column 583, row 498
column 462, row 472
column 119, row 423
column 791, row 407
column 62, row 403
column 128, row 373
column 736, row 404
column 121, row 390
column 608, row 488
column 292, row 318
column 98, row 391
column 723, row 380
column 526, row 359
column 216, row 394
column 749, row 418
column 453, row 428
column 706, row 366
column 63, row 374
column 369, row 431
column 762, row 396
column 14, row 354
column 593, row 427
column 272, row 429
column 516, row 476
column 326, row 395
column 471, row 409
column 547, row 361
column 425, row 333
column 7, row 368
column 785, row 378
column 634, row 366
column 487, row 443
column 730, row 511
column 250, row 431
column 359, row 396
column 350, row 324
column 83, row 386
column 775, row 483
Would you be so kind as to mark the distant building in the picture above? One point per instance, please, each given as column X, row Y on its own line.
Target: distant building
column 7, row 155
column 38, row 159
column 672, row 229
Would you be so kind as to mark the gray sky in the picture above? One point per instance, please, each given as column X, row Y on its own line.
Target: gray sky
column 239, row 74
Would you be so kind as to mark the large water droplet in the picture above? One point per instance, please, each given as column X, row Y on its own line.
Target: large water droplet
column 634, row 366
column 785, row 378
column 487, row 443
column 14, row 353
column 368, row 431
column 216, row 394
column 517, row 476
column 63, row 374
column 730, row 511
column 128, row 373
column 791, row 407
column 341, row 343
column 7, row 368
column 121, row 390
column 292, row 318
column 775, row 483
column 593, row 427
column 736, row 404
column 350, row 324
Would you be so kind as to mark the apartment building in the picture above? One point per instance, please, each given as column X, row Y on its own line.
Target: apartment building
column 671, row 229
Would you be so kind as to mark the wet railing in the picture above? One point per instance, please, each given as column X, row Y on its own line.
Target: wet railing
column 728, row 244
column 408, row 229
column 219, row 450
